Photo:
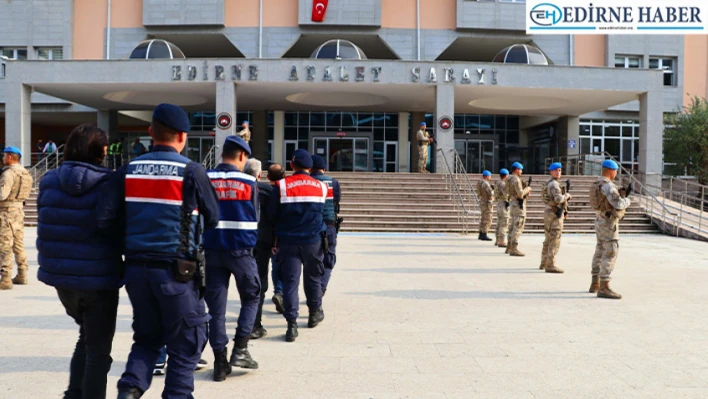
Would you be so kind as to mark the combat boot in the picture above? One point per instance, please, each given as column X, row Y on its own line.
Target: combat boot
column 315, row 318
column 278, row 302
column 484, row 237
column 514, row 251
column 21, row 278
column 5, row 280
column 291, row 334
column 502, row 244
column 258, row 332
column 508, row 248
column 606, row 292
column 594, row 285
column 131, row 393
column 553, row 269
column 542, row 267
column 222, row 368
column 241, row 358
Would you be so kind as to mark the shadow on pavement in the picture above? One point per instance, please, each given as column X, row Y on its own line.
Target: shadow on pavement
column 432, row 270
column 445, row 295
column 54, row 364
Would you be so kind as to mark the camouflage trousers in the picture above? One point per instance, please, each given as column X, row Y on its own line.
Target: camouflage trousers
column 518, row 221
column 607, row 248
column 553, row 227
column 502, row 221
column 485, row 221
column 422, row 158
column 12, row 236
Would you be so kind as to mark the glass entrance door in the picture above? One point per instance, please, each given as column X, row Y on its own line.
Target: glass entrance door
column 290, row 147
column 477, row 155
column 344, row 154
column 198, row 148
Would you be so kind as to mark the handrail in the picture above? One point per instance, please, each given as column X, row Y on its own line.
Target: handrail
column 46, row 164
column 462, row 212
column 460, row 166
column 209, row 161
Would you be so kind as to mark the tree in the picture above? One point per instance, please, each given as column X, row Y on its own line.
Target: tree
column 686, row 139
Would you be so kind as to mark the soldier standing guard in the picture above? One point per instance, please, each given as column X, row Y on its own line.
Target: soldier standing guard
column 609, row 204
column 245, row 133
column 486, row 200
column 517, row 196
column 15, row 188
column 554, row 196
column 424, row 141
column 502, row 208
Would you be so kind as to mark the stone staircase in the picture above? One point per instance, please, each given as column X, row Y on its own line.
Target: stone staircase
column 413, row 202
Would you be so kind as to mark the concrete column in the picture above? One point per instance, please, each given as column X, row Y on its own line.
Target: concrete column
column 108, row 121
column 568, row 129
column 651, row 131
column 416, row 119
column 259, row 136
column 225, row 102
column 278, row 136
column 18, row 119
column 403, row 129
column 444, row 106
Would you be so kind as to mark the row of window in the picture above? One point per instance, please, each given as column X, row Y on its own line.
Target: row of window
column 668, row 65
column 41, row 53
column 619, row 139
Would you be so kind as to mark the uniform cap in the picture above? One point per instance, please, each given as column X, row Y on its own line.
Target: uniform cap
column 610, row 164
column 12, row 150
column 302, row 159
column 171, row 116
column 422, row 123
column 486, row 173
column 239, row 142
column 554, row 166
column 517, row 165
column 246, row 122
column 504, row 172
column 318, row 162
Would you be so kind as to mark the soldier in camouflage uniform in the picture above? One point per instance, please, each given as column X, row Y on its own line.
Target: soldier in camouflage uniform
column 486, row 205
column 502, row 208
column 245, row 133
column 15, row 187
column 424, row 141
column 555, row 198
column 517, row 197
column 609, row 204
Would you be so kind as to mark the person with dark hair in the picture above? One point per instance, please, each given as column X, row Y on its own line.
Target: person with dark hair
column 162, row 198
column 82, row 262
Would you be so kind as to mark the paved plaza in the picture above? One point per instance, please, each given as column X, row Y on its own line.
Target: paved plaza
column 433, row 316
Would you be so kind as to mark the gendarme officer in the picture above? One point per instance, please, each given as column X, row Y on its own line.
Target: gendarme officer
column 161, row 193
column 295, row 209
column 229, row 251
column 329, row 214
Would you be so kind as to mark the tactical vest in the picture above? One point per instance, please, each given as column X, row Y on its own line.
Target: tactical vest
column 328, row 208
column 510, row 192
column 544, row 193
column 482, row 192
column 21, row 185
column 238, row 220
column 500, row 191
column 599, row 202
column 302, row 200
column 153, row 203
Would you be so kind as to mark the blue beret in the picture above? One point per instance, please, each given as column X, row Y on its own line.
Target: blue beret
column 238, row 141
column 517, row 165
column 504, row 172
column 246, row 122
column 486, row 173
column 422, row 123
column 318, row 162
column 554, row 166
column 12, row 150
column 172, row 116
column 302, row 159
column 610, row 164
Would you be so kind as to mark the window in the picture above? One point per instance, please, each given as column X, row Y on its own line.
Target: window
column 47, row 53
column 619, row 138
column 666, row 64
column 622, row 61
column 14, row 53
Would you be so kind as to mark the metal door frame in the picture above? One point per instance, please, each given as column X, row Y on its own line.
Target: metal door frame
column 354, row 135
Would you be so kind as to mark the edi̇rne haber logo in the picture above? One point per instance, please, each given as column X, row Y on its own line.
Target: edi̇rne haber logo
column 617, row 17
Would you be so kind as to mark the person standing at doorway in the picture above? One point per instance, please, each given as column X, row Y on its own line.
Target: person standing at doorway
column 39, row 149
column 424, row 141
column 486, row 201
column 49, row 148
column 502, row 208
column 517, row 196
column 554, row 196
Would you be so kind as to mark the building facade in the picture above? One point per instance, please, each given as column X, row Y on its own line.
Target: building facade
column 68, row 62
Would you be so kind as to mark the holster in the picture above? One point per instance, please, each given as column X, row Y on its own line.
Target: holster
column 325, row 242
column 338, row 223
column 183, row 270
column 521, row 203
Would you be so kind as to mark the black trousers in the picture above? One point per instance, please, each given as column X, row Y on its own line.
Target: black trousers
column 262, row 255
column 95, row 313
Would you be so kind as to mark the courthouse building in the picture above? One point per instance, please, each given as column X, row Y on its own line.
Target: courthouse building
column 352, row 84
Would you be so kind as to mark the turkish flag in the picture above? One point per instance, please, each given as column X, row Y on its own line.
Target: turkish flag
column 319, row 8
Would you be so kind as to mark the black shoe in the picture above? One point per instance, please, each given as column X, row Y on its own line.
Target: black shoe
column 479, row 237
column 159, row 369
column 258, row 332
column 315, row 318
column 222, row 368
column 278, row 302
column 485, row 237
column 132, row 393
column 291, row 334
column 241, row 358
column 201, row 365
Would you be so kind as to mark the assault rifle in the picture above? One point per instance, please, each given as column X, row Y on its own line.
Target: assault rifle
column 563, row 209
column 626, row 191
column 521, row 200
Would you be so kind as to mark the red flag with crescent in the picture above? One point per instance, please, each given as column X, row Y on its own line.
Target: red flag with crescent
column 319, row 8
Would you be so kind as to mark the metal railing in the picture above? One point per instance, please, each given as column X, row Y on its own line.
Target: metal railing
column 51, row 161
column 209, row 161
column 467, row 188
column 455, row 193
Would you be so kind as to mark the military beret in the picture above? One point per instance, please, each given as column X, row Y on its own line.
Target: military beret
column 302, row 159
column 239, row 142
column 486, row 173
column 610, row 164
column 517, row 165
column 422, row 123
column 504, row 172
column 554, row 166
column 318, row 162
column 171, row 116
column 246, row 122
column 12, row 150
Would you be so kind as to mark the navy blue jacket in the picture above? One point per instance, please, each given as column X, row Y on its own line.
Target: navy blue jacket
column 151, row 193
column 73, row 253
column 334, row 196
column 295, row 209
column 265, row 227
